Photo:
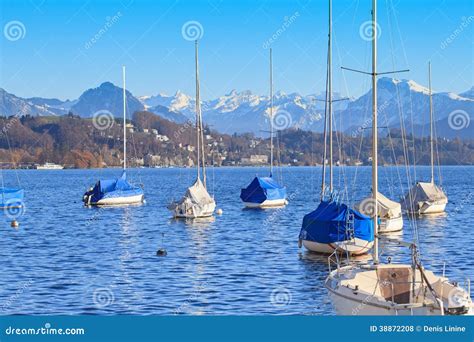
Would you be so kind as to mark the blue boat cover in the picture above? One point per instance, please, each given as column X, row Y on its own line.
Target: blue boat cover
column 328, row 224
column 112, row 188
column 262, row 189
column 11, row 197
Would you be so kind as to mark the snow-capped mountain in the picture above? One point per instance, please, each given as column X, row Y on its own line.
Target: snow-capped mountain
column 401, row 100
column 239, row 112
column 13, row 105
column 53, row 105
column 179, row 102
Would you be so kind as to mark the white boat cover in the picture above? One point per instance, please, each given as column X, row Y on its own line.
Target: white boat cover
column 198, row 194
column 424, row 192
column 386, row 208
column 196, row 202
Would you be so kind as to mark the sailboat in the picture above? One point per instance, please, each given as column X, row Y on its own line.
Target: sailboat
column 265, row 192
column 427, row 197
column 116, row 191
column 334, row 226
column 389, row 212
column 196, row 203
column 392, row 288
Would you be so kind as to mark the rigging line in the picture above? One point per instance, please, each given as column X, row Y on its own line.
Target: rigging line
column 323, row 171
column 412, row 220
column 14, row 163
column 406, row 61
column 342, row 170
column 440, row 179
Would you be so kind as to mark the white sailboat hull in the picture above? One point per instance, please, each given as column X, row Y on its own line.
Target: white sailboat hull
column 346, row 306
column 195, row 211
column 391, row 225
column 371, row 290
column 267, row 204
column 353, row 247
column 129, row 200
column 432, row 208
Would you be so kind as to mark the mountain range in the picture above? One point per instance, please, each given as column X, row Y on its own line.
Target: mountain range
column 241, row 112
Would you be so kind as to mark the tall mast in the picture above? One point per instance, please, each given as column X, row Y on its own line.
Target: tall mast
column 374, row 131
column 330, row 97
column 431, row 124
column 198, row 125
column 325, row 138
column 124, row 120
column 271, row 114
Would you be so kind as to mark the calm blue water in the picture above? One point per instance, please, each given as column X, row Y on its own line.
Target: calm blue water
column 68, row 259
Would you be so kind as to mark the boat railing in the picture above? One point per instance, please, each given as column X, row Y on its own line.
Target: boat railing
column 333, row 259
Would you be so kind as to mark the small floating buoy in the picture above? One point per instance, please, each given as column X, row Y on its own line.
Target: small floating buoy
column 14, row 224
column 161, row 252
column 219, row 211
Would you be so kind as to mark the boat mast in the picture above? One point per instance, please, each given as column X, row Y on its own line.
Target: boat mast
column 124, row 120
column 329, row 98
column 271, row 114
column 431, row 124
column 325, row 138
column 374, row 131
column 198, row 126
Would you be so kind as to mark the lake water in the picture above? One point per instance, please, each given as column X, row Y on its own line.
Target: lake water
column 68, row 259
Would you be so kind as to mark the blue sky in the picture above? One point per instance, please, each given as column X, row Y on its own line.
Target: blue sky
column 54, row 55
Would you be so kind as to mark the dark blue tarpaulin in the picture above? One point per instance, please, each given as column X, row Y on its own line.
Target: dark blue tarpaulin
column 11, row 197
column 111, row 188
column 328, row 223
column 262, row 189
